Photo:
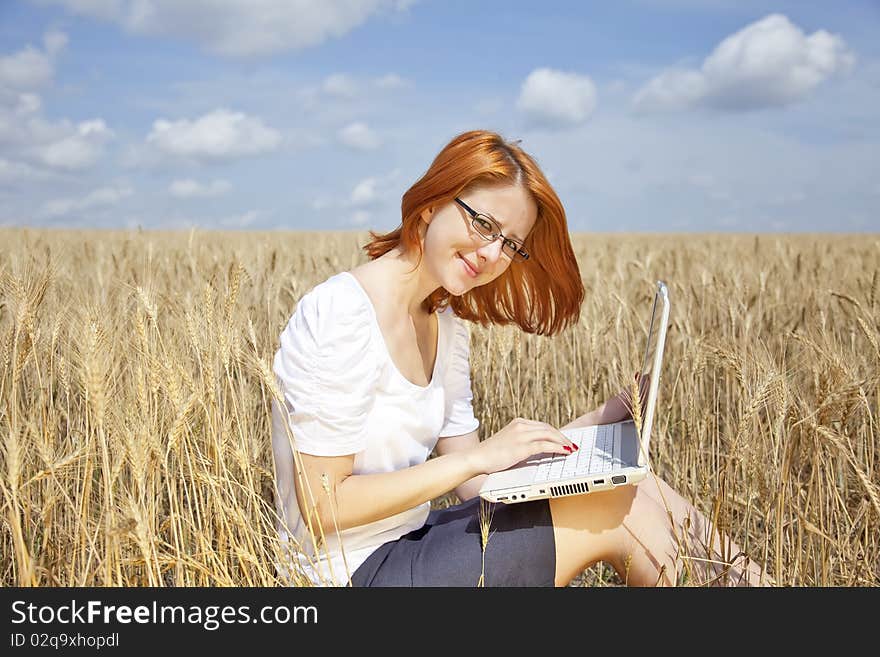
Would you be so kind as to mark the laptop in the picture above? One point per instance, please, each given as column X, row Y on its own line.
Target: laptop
column 608, row 455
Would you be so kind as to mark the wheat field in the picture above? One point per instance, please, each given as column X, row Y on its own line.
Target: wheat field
column 135, row 383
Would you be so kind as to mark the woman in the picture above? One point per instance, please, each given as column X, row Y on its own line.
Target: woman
column 373, row 368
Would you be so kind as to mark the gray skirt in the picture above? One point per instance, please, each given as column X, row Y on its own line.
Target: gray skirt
column 447, row 550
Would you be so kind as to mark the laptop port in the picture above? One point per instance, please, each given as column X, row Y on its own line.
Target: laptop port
column 618, row 479
column 598, row 481
column 501, row 499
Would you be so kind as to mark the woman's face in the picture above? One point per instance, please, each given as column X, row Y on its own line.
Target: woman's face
column 451, row 239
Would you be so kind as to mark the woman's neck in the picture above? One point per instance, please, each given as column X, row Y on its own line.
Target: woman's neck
column 404, row 284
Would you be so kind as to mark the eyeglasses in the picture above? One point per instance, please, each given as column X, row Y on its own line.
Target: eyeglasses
column 489, row 230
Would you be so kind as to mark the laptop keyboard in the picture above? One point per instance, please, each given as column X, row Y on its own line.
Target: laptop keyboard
column 599, row 452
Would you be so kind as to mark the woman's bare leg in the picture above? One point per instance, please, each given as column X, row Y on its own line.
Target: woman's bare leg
column 611, row 526
column 726, row 564
column 649, row 534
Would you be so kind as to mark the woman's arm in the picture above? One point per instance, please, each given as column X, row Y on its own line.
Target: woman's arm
column 453, row 444
column 328, row 492
column 601, row 415
column 615, row 409
column 361, row 499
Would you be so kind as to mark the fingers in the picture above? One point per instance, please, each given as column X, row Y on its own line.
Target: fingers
column 559, row 439
column 566, row 442
column 553, row 448
column 551, row 435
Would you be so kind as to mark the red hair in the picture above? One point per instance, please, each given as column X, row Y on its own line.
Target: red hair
column 541, row 295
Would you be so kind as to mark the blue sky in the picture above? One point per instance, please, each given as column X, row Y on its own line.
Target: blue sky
column 646, row 115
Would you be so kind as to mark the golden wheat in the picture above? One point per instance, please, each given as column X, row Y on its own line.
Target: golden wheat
column 136, row 383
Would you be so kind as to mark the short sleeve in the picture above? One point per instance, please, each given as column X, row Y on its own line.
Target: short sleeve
column 327, row 368
column 459, row 415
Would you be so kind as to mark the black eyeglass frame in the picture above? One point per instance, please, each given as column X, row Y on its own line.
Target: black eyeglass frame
column 520, row 253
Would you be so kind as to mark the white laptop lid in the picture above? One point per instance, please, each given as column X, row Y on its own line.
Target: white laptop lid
column 652, row 363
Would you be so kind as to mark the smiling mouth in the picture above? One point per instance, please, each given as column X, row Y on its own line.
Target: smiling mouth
column 470, row 267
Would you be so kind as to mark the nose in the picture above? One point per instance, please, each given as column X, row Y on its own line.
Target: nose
column 490, row 252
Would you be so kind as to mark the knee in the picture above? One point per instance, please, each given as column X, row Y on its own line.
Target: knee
column 597, row 512
column 645, row 545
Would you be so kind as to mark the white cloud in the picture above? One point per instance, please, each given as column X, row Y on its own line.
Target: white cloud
column 339, row 84
column 102, row 197
column 766, row 64
column 364, row 192
column 15, row 110
column 359, row 136
column 671, row 90
column 78, row 150
column 188, row 188
column 16, row 172
column 28, row 104
column 556, row 98
column 368, row 193
column 221, row 134
column 238, row 27
column 26, row 69
column 345, row 87
column 376, row 190
column 29, row 140
column 55, row 41
column 30, row 68
column 341, row 96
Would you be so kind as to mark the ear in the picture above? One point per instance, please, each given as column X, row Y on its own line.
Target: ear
column 427, row 215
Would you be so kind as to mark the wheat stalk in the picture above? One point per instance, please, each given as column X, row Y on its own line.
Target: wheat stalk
column 136, row 384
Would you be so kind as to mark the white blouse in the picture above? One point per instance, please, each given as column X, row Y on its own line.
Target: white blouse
column 344, row 395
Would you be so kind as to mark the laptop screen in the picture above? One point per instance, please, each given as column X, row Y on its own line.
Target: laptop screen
column 651, row 346
column 652, row 361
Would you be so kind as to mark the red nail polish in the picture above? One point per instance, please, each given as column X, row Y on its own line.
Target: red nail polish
column 566, row 448
column 576, row 448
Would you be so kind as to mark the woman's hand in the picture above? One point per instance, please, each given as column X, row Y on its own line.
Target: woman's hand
column 518, row 441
